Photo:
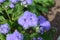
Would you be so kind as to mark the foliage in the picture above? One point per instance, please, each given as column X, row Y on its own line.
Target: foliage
column 11, row 15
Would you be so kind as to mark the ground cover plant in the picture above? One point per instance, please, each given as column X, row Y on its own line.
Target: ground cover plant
column 22, row 20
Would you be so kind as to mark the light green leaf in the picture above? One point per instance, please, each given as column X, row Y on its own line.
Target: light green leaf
column 38, row 1
column 34, row 35
column 10, row 11
column 2, row 37
column 2, row 18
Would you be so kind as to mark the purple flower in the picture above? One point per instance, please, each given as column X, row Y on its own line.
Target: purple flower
column 32, row 18
column 26, row 2
column 29, row 1
column 13, row 1
column 14, row 36
column 1, row 1
column 34, row 38
column 41, row 30
column 11, row 5
column 23, row 21
column 44, row 23
column 41, row 19
column 39, row 38
column 4, row 28
column 27, row 20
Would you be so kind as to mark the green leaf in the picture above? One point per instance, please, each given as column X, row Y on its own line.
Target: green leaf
column 10, row 11
column 26, row 37
column 6, row 4
column 45, row 3
column 2, row 22
column 2, row 18
column 18, row 8
column 2, row 37
column 33, row 8
column 42, row 9
column 37, row 1
column 16, row 15
column 20, row 28
column 1, row 9
column 34, row 35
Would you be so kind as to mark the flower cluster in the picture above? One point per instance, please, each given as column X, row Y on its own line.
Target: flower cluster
column 4, row 28
column 28, row 25
column 1, row 1
column 14, row 36
column 26, row 2
column 11, row 5
column 27, row 20
column 39, row 38
column 23, row 2
column 45, row 25
column 13, row 2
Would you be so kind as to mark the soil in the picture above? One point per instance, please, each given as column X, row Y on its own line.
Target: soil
column 54, row 18
column 56, row 23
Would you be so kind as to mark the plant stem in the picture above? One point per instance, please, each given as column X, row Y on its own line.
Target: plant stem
column 6, row 12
